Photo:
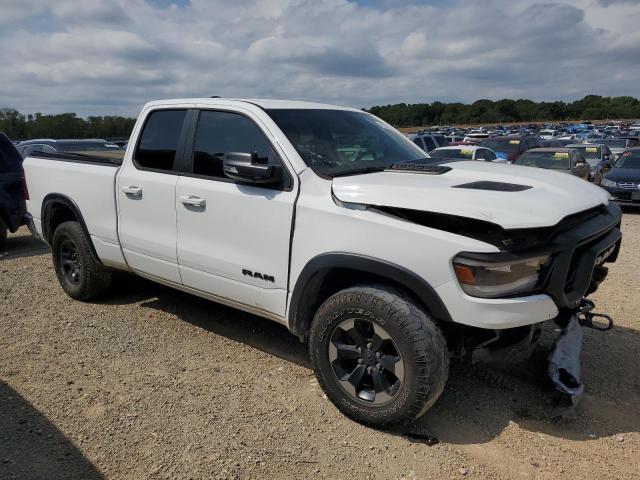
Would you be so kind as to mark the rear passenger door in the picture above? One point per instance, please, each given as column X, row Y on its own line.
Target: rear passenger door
column 146, row 193
column 234, row 238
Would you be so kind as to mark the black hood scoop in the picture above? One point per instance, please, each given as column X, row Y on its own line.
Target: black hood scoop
column 430, row 169
column 494, row 186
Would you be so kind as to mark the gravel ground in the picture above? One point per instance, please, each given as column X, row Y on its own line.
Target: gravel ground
column 153, row 383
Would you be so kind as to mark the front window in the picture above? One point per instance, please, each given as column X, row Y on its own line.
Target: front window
column 629, row 160
column 551, row 160
column 463, row 153
column 615, row 142
column 339, row 142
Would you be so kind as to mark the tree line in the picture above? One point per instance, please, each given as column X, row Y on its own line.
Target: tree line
column 18, row 126
column 591, row 107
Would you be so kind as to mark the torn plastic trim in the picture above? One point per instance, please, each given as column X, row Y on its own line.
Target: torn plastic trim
column 564, row 360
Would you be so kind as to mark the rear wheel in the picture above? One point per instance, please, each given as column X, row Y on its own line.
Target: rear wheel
column 379, row 358
column 78, row 272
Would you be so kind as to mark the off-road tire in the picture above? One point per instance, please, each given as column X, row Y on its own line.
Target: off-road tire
column 417, row 338
column 94, row 278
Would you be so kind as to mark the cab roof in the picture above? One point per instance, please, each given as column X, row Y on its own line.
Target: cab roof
column 265, row 104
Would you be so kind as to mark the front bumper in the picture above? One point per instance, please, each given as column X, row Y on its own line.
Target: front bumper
column 624, row 196
column 578, row 247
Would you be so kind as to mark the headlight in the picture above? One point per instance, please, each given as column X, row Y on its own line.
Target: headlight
column 608, row 183
column 488, row 279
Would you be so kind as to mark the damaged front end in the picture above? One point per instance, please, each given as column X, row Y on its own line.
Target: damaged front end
column 577, row 250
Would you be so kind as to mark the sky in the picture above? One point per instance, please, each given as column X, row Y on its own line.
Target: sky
column 109, row 57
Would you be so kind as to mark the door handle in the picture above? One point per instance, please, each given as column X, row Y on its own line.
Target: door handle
column 193, row 201
column 131, row 190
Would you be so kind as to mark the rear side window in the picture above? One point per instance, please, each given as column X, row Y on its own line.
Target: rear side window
column 419, row 143
column 430, row 144
column 219, row 133
column 159, row 140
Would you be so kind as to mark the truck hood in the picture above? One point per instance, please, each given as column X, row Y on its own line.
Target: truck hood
column 511, row 196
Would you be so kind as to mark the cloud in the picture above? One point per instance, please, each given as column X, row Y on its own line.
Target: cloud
column 111, row 56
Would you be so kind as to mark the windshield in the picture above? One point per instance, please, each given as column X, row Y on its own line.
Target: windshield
column 629, row 160
column 552, row 160
column 590, row 153
column 615, row 142
column 505, row 146
column 337, row 142
column 464, row 153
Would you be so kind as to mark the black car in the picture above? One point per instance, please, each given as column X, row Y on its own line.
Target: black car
column 622, row 181
column 13, row 192
column 510, row 147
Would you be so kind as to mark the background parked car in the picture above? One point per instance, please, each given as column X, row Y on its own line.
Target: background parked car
column 97, row 147
column 13, row 191
column 565, row 160
column 510, row 147
column 596, row 155
column 466, row 152
column 548, row 134
column 428, row 141
column 622, row 181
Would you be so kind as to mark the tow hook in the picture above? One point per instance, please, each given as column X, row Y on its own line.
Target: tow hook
column 586, row 316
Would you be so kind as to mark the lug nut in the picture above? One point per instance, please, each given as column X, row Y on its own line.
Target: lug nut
column 379, row 366
column 369, row 369
column 360, row 360
column 369, row 345
column 378, row 354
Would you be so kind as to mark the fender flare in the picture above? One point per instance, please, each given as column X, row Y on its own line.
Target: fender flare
column 58, row 198
column 314, row 271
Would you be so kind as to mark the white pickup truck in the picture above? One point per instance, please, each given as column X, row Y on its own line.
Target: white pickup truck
column 329, row 221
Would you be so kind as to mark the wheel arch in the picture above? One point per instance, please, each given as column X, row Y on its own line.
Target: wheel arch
column 329, row 273
column 57, row 209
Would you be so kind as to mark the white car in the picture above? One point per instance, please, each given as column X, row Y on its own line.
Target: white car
column 328, row 221
column 548, row 134
column 475, row 136
column 466, row 152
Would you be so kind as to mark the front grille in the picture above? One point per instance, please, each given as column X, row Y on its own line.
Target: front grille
column 629, row 186
column 576, row 253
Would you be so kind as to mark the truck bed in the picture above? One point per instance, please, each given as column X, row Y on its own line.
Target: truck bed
column 87, row 181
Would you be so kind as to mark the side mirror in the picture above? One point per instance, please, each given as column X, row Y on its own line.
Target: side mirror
column 606, row 157
column 248, row 167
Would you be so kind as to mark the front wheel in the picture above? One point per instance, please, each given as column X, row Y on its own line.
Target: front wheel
column 79, row 273
column 378, row 357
